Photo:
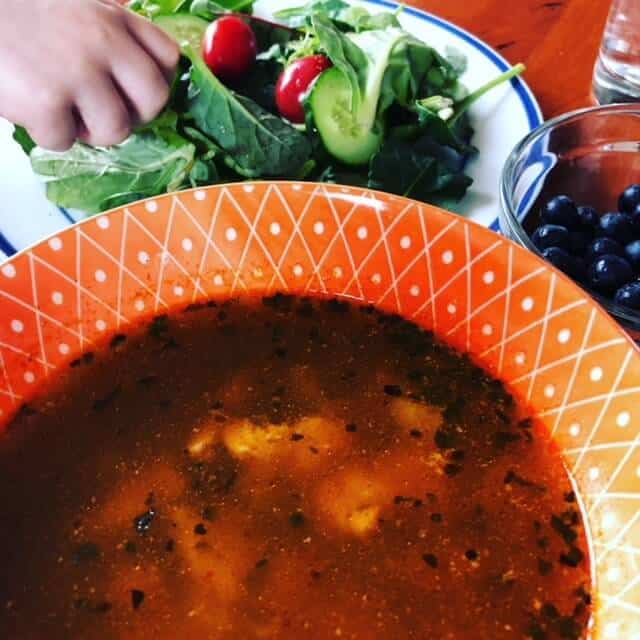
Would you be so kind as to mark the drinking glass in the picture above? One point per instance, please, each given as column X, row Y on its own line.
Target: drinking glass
column 617, row 73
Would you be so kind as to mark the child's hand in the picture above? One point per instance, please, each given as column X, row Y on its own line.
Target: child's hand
column 86, row 69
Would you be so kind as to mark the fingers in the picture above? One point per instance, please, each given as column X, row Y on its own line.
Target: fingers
column 103, row 112
column 55, row 128
column 133, row 86
column 140, row 80
column 120, row 75
column 164, row 51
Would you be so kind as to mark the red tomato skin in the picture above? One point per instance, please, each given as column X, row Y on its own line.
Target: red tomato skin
column 295, row 82
column 229, row 48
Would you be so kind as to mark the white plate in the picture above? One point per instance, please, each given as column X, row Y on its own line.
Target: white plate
column 501, row 119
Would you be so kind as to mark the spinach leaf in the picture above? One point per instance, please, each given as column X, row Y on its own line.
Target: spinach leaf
column 339, row 174
column 207, row 9
column 443, row 79
column 210, row 153
column 449, row 133
column 447, row 121
column 97, row 178
column 364, row 58
column 22, row 137
column 463, row 105
column 204, row 145
column 268, row 33
column 167, row 120
column 152, row 8
column 423, row 170
column 203, row 172
column 456, row 59
column 388, row 65
column 257, row 142
column 299, row 16
column 211, row 9
column 359, row 19
column 259, row 84
column 344, row 54
column 407, row 68
column 386, row 68
column 345, row 16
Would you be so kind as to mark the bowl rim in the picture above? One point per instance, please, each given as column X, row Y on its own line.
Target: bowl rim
column 594, row 299
column 508, row 214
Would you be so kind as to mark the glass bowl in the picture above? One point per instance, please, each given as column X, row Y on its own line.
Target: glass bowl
column 591, row 155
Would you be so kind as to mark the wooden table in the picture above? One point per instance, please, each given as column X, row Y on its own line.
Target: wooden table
column 558, row 41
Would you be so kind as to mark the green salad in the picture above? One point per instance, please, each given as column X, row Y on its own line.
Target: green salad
column 331, row 93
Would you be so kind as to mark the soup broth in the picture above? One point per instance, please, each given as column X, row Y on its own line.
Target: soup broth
column 284, row 469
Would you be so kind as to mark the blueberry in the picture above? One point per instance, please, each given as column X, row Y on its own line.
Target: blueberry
column 636, row 220
column 618, row 226
column 629, row 198
column 561, row 210
column 602, row 246
column 551, row 235
column 609, row 272
column 579, row 241
column 589, row 218
column 632, row 251
column 629, row 295
column 561, row 259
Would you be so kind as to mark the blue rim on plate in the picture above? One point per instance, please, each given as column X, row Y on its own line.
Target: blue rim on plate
column 532, row 110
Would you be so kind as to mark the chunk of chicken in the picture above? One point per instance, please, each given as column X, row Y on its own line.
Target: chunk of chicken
column 201, row 444
column 304, row 444
column 411, row 415
column 215, row 554
column 247, row 440
column 352, row 500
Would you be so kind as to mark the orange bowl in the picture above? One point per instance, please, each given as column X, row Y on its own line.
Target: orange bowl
column 518, row 318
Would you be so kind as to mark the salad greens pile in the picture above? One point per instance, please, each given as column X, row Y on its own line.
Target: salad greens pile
column 390, row 113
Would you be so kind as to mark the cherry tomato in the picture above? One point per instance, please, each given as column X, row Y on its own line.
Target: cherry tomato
column 229, row 47
column 294, row 84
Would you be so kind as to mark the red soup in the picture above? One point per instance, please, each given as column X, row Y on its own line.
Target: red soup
column 285, row 469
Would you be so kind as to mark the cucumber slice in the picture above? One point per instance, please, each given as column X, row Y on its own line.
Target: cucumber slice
column 186, row 30
column 344, row 136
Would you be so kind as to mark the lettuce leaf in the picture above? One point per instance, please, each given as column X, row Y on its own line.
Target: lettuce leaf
column 93, row 179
